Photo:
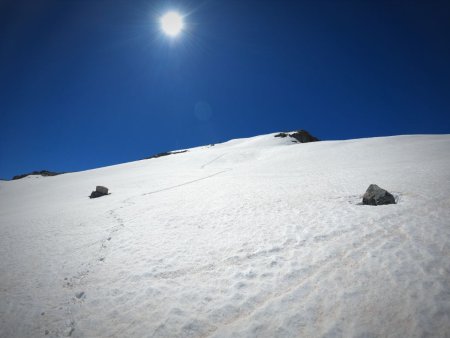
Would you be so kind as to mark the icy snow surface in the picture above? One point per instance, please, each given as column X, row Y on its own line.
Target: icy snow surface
column 256, row 237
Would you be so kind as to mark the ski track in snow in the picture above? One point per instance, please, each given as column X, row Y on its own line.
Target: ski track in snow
column 264, row 251
column 186, row 183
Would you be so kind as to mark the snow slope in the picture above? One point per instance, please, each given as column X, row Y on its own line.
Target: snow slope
column 254, row 237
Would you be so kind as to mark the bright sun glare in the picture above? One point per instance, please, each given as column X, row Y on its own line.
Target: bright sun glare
column 172, row 23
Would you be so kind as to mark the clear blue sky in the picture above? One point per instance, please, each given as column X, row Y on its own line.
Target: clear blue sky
column 91, row 83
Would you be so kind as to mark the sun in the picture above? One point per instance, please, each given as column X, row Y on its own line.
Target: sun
column 172, row 23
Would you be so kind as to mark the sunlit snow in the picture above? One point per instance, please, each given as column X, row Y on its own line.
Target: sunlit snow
column 255, row 237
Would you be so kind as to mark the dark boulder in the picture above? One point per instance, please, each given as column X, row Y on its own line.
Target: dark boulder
column 99, row 192
column 376, row 196
column 301, row 136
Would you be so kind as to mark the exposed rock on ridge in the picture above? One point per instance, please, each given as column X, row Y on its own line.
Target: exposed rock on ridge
column 42, row 173
column 167, row 153
column 301, row 136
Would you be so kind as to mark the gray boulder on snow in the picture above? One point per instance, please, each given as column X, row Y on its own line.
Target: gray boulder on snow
column 99, row 192
column 376, row 196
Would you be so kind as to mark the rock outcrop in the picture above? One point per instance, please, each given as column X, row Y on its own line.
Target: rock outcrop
column 301, row 136
column 41, row 173
column 167, row 153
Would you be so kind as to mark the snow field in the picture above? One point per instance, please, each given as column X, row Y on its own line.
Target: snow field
column 254, row 237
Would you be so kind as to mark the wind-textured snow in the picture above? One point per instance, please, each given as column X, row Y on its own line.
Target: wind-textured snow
column 256, row 237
